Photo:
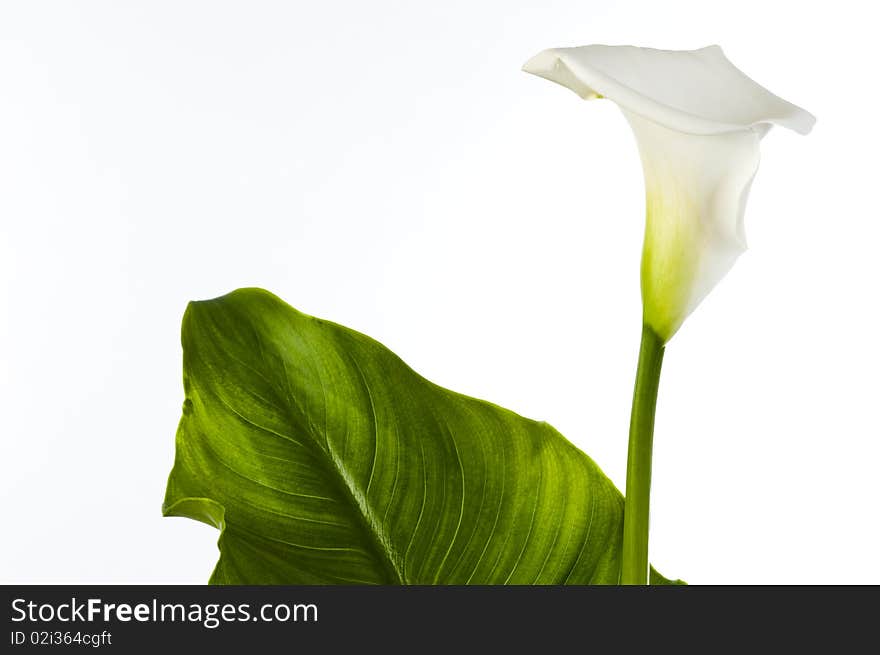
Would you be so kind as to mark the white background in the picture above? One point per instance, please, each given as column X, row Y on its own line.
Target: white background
column 386, row 165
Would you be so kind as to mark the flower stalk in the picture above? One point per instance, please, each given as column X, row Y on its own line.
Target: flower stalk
column 634, row 563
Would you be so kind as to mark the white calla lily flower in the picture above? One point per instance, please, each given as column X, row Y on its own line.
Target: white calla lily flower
column 698, row 121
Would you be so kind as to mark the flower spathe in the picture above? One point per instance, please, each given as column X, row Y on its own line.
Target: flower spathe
column 698, row 121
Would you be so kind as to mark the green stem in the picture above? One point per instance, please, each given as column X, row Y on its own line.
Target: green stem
column 634, row 564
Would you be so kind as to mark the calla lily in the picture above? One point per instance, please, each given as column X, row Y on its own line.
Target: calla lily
column 698, row 121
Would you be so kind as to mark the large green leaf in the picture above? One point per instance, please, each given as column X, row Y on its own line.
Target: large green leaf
column 323, row 458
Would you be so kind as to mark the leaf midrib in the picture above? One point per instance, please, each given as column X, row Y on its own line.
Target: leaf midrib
column 356, row 501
